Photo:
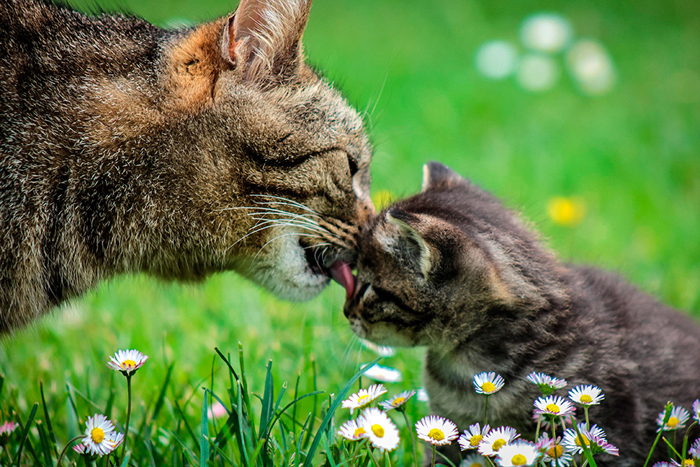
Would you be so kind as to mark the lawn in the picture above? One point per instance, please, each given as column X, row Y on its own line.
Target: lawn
column 630, row 158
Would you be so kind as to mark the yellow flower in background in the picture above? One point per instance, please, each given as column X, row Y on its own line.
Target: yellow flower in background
column 568, row 212
column 382, row 199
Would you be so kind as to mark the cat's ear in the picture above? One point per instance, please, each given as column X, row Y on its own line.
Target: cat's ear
column 439, row 176
column 263, row 37
column 418, row 247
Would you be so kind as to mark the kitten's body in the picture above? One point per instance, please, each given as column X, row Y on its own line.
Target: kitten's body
column 125, row 148
column 453, row 270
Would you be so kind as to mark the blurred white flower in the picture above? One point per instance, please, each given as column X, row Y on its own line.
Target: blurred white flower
column 422, row 395
column 591, row 67
column 381, row 350
column 383, row 374
column 545, row 32
column 496, row 59
column 537, row 73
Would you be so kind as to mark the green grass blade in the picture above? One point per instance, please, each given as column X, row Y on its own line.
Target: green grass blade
column 127, row 456
column 187, row 425
column 25, row 433
column 45, row 443
column 228, row 363
column 244, row 391
column 221, row 453
column 310, row 431
column 331, row 411
column 146, row 422
column 204, row 435
column 268, row 394
column 49, row 426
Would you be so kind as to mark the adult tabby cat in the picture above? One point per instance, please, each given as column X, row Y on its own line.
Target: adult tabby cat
column 453, row 270
column 126, row 148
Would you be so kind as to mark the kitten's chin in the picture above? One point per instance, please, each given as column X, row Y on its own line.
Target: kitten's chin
column 282, row 267
column 382, row 334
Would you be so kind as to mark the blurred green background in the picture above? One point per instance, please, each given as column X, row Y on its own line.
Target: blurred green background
column 627, row 162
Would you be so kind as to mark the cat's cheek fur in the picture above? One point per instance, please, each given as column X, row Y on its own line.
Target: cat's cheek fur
column 284, row 270
column 387, row 334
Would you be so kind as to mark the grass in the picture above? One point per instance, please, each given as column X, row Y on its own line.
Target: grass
column 632, row 155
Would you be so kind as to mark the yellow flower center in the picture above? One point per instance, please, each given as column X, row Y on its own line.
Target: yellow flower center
column 476, row 464
column 518, row 459
column 398, row 401
column 554, row 408
column 672, row 422
column 488, row 386
column 689, row 463
column 359, row 432
column 585, row 440
column 97, row 434
column 363, row 399
column 128, row 364
column 475, row 440
column 378, row 430
column 586, row 399
column 498, row 444
column 555, row 451
column 436, row 434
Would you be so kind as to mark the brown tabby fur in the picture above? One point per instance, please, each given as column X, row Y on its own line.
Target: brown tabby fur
column 127, row 148
column 453, row 270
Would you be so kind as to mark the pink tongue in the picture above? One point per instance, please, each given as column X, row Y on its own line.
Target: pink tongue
column 342, row 274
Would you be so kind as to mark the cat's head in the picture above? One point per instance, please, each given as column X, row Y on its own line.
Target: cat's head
column 443, row 264
column 289, row 146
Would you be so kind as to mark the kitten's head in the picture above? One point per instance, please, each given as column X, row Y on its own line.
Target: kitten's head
column 443, row 264
column 281, row 141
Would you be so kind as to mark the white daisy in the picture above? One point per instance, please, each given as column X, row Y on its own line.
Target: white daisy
column 554, row 452
column 496, row 439
column 474, row 460
column 694, row 449
column 586, row 395
column 696, row 410
column 363, row 397
column 471, row 438
column 381, row 350
column 79, row 448
column 546, row 383
column 383, row 374
column 127, row 361
column 100, row 438
column 685, row 463
column 517, row 453
column 379, row 428
column 553, row 406
column 352, row 431
column 677, row 420
column 594, row 438
column 488, row 383
column 398, row 400
column 436, row 430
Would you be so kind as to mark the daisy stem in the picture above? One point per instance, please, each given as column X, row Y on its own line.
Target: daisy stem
column 371, row 454
column 128, row 414
column 554, row 440
column 588, row 422
column 486, row 406
column 539, row 423
column 433, row 462
column 671, row 449
column 68, row 444
column 685, row 442
column 388, row 459
column 413, row 437
column 667, row 415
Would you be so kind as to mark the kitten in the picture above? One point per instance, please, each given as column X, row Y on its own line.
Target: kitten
column 451, row 269
column 126, row 148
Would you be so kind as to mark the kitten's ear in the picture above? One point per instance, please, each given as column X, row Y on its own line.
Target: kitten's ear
column 263, row 37
column 421, row 250
column 439, row 176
